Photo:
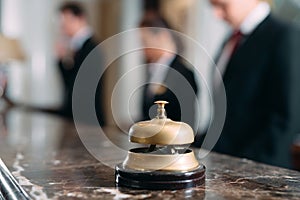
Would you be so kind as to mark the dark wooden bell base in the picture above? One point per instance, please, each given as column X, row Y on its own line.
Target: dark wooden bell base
column 159, row 180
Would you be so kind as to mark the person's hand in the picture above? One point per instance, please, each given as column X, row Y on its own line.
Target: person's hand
column 61, row 50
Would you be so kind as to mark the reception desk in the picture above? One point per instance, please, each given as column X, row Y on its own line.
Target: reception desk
column 50, row 161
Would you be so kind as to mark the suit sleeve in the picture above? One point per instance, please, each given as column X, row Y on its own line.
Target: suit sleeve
column 66, row 72
column 282, row 95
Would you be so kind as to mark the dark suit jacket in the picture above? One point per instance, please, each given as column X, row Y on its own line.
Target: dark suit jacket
column 69, row 72
column 179, row 89
column 260, row 81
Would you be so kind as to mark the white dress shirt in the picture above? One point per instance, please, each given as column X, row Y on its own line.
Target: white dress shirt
column 80, row 37
column 158, row 72
column 256, row 16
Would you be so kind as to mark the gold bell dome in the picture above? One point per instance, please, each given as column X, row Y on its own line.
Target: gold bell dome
column 167, row 163
column 161, row 130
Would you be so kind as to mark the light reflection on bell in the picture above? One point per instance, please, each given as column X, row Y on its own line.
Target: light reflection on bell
column 166, row 162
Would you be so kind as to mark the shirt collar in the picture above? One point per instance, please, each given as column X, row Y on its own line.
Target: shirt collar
column 257, row 15
column 165, row 59
column 80, row 37
column 158, row 72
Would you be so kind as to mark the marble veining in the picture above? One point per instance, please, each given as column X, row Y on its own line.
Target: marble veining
column 36, row 191
column 57, row 166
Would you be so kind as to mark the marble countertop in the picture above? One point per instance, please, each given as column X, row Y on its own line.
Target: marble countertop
column 50, row 161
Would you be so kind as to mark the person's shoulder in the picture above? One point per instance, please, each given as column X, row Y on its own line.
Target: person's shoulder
column 90, row 42
column 182, row 64
column 186, row 69
column 274, row 28
column 281, row 25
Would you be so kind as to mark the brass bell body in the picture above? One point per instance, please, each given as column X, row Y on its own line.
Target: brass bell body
column 149, row 162
column 167, row 156
column 161, row 132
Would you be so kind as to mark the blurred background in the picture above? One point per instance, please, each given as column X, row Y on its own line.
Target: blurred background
column 36, row 82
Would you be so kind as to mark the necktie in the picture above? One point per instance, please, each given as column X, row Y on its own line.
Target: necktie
column 229, row 49
column 235, row 41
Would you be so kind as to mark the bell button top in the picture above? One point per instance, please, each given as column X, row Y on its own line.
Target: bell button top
column 161, row 112
column 161, row 130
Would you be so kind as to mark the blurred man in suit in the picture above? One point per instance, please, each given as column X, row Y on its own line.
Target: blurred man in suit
column 259, row 64
column 80, row 42
column 169, row 77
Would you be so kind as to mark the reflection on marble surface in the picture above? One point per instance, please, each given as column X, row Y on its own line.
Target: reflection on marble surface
column 49, row 160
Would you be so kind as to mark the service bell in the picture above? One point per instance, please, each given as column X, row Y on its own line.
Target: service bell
column 166, row 162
